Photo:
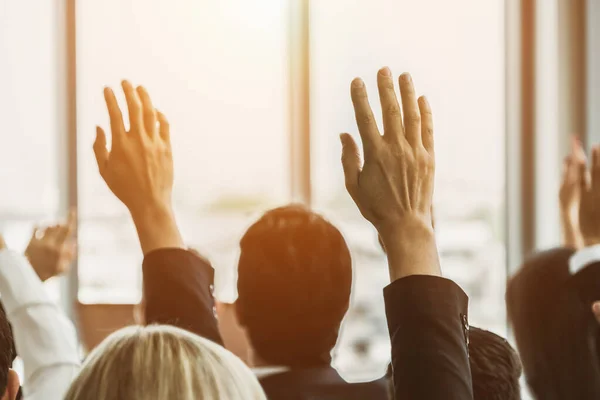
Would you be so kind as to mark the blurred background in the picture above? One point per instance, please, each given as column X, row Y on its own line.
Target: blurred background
column 257, row 94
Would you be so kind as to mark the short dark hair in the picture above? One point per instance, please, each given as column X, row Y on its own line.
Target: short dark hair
column 495, row 367
column 294, row 283
column 7, row 349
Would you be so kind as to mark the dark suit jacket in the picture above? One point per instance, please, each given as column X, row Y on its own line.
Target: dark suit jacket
column 428, row 323
column 178, row 291
column 555, row 330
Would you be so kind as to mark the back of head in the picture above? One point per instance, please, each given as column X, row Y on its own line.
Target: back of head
column 554, row 330
column 7, row 350
column 495, row 367
column 162, row 362
column 294, row 282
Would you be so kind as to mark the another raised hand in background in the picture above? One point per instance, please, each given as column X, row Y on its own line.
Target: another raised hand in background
column 589, row 210
column 138, row 169
column 51, row 250
column 570, row 195
column 393, row 189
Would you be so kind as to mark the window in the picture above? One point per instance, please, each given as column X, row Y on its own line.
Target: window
column 30, row 141
column 455, row 53
column 218, row 70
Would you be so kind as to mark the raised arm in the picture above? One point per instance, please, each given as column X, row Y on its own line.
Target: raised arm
column 584, row 265
column 570, row 196
column 45, row 338
column 138, row 169
column 393, row 189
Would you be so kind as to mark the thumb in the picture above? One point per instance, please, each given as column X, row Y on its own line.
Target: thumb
column 35, row 233
column 100, row 150
column 351, row 162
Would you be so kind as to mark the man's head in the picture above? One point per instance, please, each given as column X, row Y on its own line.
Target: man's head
column 495, row 367
column 294, row 281
column 9, row 380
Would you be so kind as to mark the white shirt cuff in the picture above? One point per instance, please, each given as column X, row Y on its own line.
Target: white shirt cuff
column 584, row 257
column 19, row 283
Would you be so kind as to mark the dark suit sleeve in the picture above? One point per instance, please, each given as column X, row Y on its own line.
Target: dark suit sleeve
column 427, row 320
column 177, row 291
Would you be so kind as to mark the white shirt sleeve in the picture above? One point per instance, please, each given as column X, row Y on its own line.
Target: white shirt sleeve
column 44, row 337
column 584, row 257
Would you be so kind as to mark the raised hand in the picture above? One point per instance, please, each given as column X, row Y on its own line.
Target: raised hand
column 589, row 210
column 138, row 169
column 570, row 195
column 393, row 189
column 51, row 251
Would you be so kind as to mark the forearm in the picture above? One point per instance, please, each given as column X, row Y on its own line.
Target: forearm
column 411, row 249
column 428, row 325
column 157, row 228
column 177, row 292
column 571, row 235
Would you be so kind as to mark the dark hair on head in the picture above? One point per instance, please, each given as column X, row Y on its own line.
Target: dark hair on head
column 7, row 349
column 294, row 282
column 555, row 330
column 495, row 367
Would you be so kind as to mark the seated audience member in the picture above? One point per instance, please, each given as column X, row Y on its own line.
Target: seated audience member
column 295, row 271
column 45, row 339
column 495, row 367
column 550, row 299
column 393, row 189
column 163, row 362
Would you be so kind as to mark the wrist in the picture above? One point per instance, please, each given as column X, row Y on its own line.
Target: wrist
column 411, row 248
column 156, row 227
column 150, row 210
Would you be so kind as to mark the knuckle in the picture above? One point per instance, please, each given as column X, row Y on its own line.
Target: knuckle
column 367, row 119
column 392, row 110
column 413, row 118
column 359, row 93
column 386, row 83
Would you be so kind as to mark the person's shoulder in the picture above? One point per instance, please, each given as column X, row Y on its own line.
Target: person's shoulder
column 304, row 385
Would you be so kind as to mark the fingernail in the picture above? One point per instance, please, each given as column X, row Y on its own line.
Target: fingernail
column 385, row 71
column 406, row 77
column 357, row 83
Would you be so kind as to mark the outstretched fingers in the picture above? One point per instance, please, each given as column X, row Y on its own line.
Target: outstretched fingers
column 367, row 126
column 392, row 114
column 412, row 114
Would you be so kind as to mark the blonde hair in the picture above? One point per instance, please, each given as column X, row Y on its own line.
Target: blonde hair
column 163, row 362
